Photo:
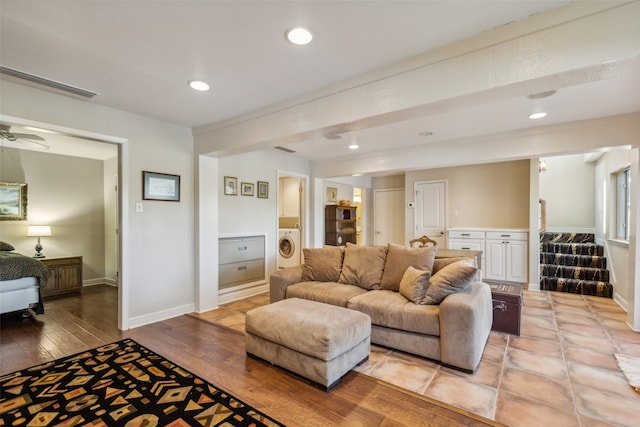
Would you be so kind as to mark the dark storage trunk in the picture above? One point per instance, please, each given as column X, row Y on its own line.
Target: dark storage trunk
column 507, row 307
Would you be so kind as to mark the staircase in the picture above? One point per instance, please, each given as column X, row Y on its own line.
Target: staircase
column 573, row 263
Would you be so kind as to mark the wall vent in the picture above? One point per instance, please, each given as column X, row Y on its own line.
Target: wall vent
column 46, row 82
column 288, row 150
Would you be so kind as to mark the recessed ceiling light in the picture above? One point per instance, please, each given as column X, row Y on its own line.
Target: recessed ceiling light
column 199, row 85
column 299, row 36
column 354, row 147
column 537, row 115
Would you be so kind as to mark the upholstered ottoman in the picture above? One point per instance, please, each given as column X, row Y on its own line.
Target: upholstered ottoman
column 317, row 341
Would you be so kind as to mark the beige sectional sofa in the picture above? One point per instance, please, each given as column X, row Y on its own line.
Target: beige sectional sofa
column 419, row 304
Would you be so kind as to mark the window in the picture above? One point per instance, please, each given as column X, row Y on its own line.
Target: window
column 623, row 204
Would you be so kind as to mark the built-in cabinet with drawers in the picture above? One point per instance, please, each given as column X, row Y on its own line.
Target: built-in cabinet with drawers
column 504, row 251
column 340, row 225
column 240, row 260
column 66, row 275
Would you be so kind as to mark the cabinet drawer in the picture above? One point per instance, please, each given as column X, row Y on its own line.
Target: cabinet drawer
column 241, row 272
column 240, row 249
column 463, row 234
column 510, row 235
column 471, row 245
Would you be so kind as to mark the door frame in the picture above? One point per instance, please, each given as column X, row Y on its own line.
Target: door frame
column 304, row 207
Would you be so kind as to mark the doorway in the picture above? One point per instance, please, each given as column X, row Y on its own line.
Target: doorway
column 388, row 217
column 73, row 151
column 430, row 210
column 292, row 218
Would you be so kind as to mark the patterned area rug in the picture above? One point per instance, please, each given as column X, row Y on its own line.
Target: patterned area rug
column 630, row 367
column 122, row 384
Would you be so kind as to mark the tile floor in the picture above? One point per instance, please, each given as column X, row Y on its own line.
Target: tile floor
column 560, row 371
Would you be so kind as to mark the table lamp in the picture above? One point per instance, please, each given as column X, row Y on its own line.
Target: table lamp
column 39, row 231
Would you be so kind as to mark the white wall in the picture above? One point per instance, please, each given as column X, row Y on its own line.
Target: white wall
column 617, row 252
column 110, row 168
column 157, row 254
column 567, row 186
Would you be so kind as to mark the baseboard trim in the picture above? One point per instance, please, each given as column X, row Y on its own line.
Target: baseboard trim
column 236, row 294
column 533, row 287
column 100, row 281
column 159, row 316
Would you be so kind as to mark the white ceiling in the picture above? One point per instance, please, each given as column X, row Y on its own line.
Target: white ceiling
column 139, row 56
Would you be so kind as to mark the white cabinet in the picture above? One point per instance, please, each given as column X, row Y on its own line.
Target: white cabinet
column 468, row 240
column 506, row 257
column 504, row 252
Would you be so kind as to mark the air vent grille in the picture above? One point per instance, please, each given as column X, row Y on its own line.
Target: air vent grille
column 46, row 82
column 288, row 150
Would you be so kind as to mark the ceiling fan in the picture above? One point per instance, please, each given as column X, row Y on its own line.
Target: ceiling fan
column 5, row 133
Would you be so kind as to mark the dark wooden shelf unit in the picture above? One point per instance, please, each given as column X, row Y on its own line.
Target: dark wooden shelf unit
column 340, row 225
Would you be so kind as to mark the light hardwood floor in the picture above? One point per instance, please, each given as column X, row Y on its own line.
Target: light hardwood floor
column 76, row 323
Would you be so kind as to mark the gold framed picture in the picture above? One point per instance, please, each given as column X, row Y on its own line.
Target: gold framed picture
column 263, row 190
column 230, row 186
column 247, row 188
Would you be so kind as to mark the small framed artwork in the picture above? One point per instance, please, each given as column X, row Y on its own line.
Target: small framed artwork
column 247, row 188
column 13, row 201
column 332, row 194
column 263, row 190
column 230, row 185
column 160, row 186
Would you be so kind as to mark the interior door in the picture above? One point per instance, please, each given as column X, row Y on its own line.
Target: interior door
column 388, row 217
column 430, row 210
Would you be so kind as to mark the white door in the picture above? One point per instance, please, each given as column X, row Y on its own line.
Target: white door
column 430, row 210
column 388, row 217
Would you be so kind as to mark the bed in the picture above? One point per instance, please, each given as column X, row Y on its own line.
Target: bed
column 20, row 278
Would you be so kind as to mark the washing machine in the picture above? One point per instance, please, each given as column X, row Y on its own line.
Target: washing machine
column 288, row 247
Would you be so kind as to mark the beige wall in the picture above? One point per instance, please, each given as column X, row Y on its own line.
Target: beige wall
column 485, row 195
column 67, row 194
column 567, row 186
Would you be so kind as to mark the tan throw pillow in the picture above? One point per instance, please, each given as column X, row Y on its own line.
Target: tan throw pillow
column 363, row 266
column 453, row 278
column 440, row 263
column 322, row 264
column 413, row 284
column 399, row 258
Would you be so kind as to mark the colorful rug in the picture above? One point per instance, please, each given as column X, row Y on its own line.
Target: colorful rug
column 122, row 384
column 630, row 367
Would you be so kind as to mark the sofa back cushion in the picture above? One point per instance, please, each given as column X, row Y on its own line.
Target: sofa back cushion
column 453, row 278
column 399, row 258
column 322, row 264
column 363, row 266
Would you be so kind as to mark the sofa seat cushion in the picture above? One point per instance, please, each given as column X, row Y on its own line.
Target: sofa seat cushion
column 392, row 310
column 327, row 292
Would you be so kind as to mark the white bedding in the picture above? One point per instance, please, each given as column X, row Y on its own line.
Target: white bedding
column 18, row 294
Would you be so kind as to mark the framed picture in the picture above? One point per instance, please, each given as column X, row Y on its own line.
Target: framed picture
column 332, row 194
column 263, row 190
column 160, row 186
column 230, row 185
column 13, row 201
column 247, row 188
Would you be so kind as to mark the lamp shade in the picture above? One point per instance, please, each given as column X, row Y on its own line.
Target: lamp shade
column 39, row 230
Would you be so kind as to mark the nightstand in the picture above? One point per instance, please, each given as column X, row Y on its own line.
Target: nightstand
column 66, row 275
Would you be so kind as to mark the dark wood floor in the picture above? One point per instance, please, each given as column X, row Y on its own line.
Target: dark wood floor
column 73, row 324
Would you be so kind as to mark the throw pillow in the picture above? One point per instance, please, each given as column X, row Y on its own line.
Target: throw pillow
column 441, row 263
column 453, row 278
column 399, row 258
column 322, row 264
column 363, row 266
column 4, row 246
column 413, row 284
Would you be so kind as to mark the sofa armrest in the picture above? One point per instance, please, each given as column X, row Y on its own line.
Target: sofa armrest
column 465, row 323
column 281, row 279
